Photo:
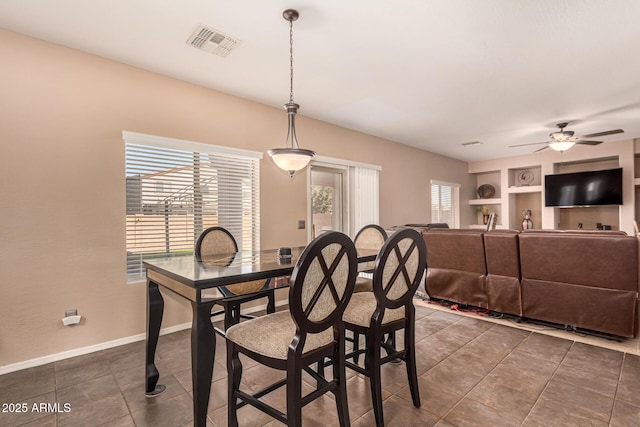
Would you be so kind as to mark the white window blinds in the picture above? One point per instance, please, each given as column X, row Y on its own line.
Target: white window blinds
column 176, row 189
column 366, row 199
column 445, row 203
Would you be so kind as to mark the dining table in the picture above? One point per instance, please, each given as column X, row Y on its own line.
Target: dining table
column 202, row 283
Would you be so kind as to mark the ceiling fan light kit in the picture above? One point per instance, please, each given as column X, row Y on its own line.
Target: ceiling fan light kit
column 291, row 158
column 561, row 145
column 564, row 139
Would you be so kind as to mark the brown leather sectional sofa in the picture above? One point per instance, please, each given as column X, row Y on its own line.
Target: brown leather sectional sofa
column 586, row 280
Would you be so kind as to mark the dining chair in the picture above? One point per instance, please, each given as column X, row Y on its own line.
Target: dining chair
column 400, row 267
column 370, row 237
column 311, row 330
column 216, row 241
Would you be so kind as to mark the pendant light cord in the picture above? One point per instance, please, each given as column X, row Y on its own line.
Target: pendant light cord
column 291, row 60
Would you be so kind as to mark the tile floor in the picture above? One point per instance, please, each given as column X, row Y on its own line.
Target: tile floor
column 473, row 372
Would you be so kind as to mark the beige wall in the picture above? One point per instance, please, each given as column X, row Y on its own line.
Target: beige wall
column 62, row 204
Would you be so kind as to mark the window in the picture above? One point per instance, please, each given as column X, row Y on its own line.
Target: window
column 445, row 203
column 176, row 189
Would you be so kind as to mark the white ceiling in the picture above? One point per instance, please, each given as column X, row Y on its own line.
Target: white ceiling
column 426, row 73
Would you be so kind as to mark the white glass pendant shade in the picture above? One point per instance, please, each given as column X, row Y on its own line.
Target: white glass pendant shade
column 291, row 160
column 561, row 145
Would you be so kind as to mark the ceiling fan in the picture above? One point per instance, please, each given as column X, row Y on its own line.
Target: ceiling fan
column 563, row 140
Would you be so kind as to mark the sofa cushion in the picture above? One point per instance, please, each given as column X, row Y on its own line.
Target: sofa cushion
column 604, row 310
column 503, row 271
column 604, row 261
column 585, row 280
column 456, row 269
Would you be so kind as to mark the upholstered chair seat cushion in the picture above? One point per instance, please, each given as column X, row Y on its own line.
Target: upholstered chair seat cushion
column 363, row 284
column 271, row 335
column 362, row 306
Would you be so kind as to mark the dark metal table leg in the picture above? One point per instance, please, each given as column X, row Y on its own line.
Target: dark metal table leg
column 155, row 309
column 203, row 350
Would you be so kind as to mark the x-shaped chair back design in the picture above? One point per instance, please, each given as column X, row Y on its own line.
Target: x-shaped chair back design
column 311, row 332
column 322, row 284
column 400, row 267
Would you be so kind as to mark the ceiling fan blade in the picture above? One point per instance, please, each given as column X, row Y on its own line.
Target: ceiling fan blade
column 531, row 143
column 609, row 132
column 543, row 148
column 589, row 142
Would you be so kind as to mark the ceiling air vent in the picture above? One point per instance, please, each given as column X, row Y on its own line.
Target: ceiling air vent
column 212, row 41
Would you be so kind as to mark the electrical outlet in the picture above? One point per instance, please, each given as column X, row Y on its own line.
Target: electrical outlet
column 301, row 224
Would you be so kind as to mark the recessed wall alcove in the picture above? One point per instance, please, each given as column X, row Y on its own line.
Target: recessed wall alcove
column 517, row 192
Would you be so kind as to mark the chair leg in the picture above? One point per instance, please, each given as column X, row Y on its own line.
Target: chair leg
column 340, row 376
column 372, row 365
column 294, row 394
column 410, row 362
column 234, row 373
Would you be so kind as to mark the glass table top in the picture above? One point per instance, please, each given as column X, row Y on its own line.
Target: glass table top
column 224, row 269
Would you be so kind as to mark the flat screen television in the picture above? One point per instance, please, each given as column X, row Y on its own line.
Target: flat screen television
column 594, row 188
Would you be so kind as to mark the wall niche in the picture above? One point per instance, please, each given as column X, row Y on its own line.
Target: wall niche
column 591, row 217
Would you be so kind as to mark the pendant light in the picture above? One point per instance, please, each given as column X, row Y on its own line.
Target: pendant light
column 291, row 158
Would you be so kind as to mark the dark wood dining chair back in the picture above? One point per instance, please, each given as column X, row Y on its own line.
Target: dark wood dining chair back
column 400, row 267
column 308, row 333
column 370, row 237
column 216, row 241
column 320, row 284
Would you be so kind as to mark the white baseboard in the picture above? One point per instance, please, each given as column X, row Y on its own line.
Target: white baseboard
column 85, row 350
column 105, row 345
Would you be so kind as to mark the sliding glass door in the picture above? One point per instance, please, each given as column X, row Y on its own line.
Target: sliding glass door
column 328, row 200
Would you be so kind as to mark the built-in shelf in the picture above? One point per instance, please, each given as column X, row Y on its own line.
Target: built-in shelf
column 494, row 201
column 519, row 182
column 524, row 176
column 525, row 189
